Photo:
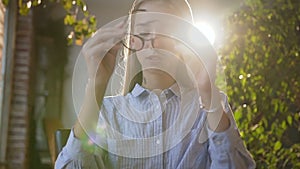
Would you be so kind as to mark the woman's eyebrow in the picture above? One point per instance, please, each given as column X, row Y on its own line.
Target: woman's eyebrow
column 139, row 10
column 146, row 23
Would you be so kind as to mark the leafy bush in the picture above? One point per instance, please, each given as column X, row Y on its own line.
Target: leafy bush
column 262, row 59
column 82, row 24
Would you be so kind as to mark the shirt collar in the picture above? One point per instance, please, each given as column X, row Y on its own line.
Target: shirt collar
column 175, row 89
column 138, row 90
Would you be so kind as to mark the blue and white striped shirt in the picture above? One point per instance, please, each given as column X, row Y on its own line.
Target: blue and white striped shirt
column 145, row 130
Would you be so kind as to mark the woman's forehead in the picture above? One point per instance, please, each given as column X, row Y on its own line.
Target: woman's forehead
column 143, row 15
column 155, row 6
column 151, row 22
column 145, row 8
column 155, row 16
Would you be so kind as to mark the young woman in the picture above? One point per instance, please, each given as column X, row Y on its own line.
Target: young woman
column 170, row 115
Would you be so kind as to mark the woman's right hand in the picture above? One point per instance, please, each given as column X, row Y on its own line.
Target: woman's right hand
column 100, row 55
column 100, row 52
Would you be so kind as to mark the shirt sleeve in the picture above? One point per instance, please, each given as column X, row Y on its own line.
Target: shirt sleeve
column 75, row 156
column 227, row 150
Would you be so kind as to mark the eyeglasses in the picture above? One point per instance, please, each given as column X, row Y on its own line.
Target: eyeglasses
column 137, row 42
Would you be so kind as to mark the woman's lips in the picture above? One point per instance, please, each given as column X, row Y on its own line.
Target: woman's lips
column 153, row 58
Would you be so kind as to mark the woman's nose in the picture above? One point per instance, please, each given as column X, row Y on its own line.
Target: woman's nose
column 148, row 44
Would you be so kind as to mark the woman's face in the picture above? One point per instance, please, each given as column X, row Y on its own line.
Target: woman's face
column 154, row 50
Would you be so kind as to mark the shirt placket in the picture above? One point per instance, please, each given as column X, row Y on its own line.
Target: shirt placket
column 163, row 98
column 157, row 131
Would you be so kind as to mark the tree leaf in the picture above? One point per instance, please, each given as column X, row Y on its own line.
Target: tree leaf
column 277, row 145
column 289, row 119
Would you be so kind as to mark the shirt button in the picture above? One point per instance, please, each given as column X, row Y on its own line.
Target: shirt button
column 157, row 141
column 217, row 140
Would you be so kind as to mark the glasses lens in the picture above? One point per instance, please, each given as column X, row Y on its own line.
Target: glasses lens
column 163, row 42
column 133, row 42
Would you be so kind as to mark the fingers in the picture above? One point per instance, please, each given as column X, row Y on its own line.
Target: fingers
column 103, row 55
column 107, row 33
column 106, row 36
column 110, row 34
column 98, row 50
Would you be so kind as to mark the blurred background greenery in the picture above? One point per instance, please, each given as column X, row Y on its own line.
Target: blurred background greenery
column 261, row 58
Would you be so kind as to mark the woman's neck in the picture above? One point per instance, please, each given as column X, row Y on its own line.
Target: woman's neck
column 157, row 79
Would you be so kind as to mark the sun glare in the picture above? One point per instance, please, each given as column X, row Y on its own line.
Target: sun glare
column 207, row 31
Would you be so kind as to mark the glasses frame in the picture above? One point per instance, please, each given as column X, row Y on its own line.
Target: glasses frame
column 143, row 40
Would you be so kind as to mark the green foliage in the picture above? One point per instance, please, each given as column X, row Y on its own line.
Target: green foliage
column 262, row 58
column 82, row 23
column 82, row 27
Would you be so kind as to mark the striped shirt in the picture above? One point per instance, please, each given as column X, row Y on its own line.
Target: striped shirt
column 157, row 129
